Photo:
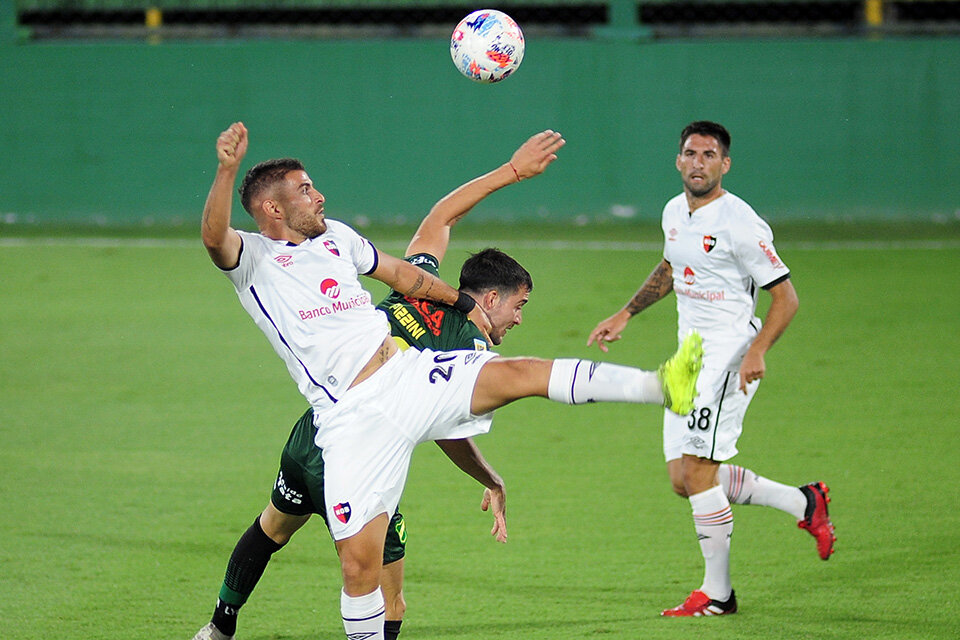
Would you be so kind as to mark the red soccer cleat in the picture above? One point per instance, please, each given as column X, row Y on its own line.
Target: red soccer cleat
column 816, row 519
column 700, row 604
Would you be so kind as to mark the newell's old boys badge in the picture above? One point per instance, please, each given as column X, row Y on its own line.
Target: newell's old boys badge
column 342, row 511
column 709, row 242
column 331, row 247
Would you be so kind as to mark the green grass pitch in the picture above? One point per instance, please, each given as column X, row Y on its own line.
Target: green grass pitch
column 142, row 415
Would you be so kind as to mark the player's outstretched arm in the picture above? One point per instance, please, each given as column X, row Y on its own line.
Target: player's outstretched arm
column 657, row 285
column 221, row 240
column 531, row 159
column 465, row 454
column 414, row 282
column 783, row 306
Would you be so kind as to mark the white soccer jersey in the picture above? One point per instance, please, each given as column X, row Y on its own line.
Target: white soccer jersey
column 720, row 256
column 308, row 301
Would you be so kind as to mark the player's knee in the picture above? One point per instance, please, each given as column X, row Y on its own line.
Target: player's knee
column 360, row 574
column 679, row 488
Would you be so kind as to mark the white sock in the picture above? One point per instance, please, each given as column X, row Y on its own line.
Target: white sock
column 713, row 522
column 363, row 615
column 743, row 486
column 580, row 381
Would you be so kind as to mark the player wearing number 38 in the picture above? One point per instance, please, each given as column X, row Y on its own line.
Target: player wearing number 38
column 718, row 253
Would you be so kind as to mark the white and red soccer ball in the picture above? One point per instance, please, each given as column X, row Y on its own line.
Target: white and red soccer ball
column 487, row 46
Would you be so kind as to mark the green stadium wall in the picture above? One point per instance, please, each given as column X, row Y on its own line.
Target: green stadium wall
column 123, row 133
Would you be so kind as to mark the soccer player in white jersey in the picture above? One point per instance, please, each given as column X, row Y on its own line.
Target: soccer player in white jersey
column 718, row 253
column 298, row 280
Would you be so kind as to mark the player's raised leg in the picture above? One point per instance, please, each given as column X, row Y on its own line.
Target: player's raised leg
column 573, row 381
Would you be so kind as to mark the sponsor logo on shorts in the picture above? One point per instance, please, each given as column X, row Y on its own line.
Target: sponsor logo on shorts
column 709, row 242
column 331, row 247
column 286, row 492
column 698, row 442
column 284, row 260
column 342, row 511
column 330, row 288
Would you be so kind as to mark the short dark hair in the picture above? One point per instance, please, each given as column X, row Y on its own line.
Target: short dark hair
column 265, row 175
column 493, row 269
column 707, row 128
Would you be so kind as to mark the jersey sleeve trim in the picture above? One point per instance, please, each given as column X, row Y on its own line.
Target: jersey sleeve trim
column 376, row 260
column 774, row 283
column 239, row 257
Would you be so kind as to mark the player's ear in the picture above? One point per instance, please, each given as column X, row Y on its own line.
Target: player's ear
column 490, row 299
column 271, row 209
column 726, row 164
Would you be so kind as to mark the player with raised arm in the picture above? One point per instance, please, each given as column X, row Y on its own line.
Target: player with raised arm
column 718, row 254
column 501, row 287
column 298, row 279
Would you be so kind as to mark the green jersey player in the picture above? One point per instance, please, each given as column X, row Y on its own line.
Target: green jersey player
column 501, row 287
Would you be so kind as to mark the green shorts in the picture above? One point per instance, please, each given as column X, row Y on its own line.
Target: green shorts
column 298, row 490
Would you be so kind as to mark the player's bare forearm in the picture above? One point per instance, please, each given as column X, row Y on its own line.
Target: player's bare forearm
column 413, row 281
column 531, row 159
column 220, row 240
column 657, row 285
column 433, row 234
column 465, row 454
column 783, row 307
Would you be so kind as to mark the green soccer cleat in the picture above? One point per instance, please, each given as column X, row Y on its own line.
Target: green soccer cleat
column 678, row 375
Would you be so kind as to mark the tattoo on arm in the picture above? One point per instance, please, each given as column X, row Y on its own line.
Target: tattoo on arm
column 415, row 286
column 657, row 285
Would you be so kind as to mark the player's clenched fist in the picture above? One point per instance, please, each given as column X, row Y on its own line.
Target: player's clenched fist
column 232, row 145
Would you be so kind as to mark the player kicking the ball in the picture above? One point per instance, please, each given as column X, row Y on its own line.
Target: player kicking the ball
column 717, row 255
column 373, row 403
column 501, row 287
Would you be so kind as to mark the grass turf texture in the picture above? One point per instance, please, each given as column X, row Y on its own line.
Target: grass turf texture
column 142, row 415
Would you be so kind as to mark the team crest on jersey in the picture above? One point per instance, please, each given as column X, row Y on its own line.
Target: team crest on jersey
column 342, row 511
column 284, row 260
column 331, row 247
column 330, row 288
column 709, row 242
column 688, row 276
column 673, row 235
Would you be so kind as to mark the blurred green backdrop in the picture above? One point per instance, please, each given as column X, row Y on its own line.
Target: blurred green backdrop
column 123, row 132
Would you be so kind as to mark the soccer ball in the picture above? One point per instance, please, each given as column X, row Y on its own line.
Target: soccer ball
column 487, row 46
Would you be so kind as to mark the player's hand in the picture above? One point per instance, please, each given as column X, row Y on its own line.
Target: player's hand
column 496, row 499
column 480, row 318
column 535, row 154
column 232, row 146
column 752, row 368
column 610, row 330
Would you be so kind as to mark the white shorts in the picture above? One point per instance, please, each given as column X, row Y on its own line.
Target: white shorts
column 713, row 428
column 368, row 437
